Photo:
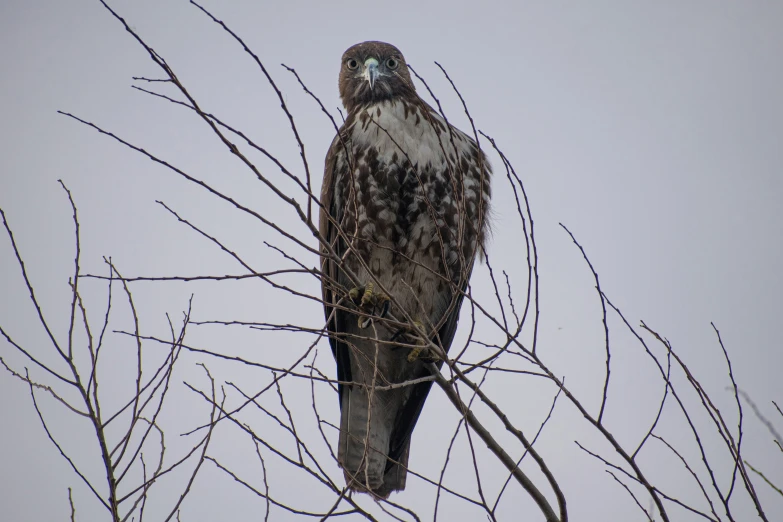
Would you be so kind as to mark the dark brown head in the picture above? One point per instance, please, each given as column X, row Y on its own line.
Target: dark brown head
column 373, row 72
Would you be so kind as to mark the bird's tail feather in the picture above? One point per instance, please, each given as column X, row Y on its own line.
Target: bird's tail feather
column 396, row 474
column 363, row 452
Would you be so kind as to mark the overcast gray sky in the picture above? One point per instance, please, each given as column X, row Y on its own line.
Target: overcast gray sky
column 652, row 130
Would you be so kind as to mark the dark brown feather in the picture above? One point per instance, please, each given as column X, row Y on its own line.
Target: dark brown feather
column 411, row 194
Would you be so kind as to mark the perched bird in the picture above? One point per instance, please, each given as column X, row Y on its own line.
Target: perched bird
column 404, row 200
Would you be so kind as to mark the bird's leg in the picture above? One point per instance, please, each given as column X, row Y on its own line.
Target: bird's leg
column 420, row 344
column 355, row 294
column 372, row 300
column 368, row 300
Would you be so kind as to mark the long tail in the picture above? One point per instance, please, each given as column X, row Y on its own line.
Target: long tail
column 366, row 425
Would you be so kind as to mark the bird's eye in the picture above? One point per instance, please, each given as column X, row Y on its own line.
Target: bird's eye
column 392, row 63
column 352, row 64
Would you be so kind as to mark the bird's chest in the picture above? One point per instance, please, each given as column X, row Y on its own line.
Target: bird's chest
column 393, row 185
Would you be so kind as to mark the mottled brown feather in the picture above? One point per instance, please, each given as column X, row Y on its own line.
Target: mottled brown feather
column 407, row 189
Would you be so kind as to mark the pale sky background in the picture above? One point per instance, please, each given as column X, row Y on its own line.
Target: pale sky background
column 653, row 130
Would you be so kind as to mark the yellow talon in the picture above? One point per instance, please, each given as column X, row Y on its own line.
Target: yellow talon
column 367, row 297
column 420, row 344
column 353, row 293
column 368, row 300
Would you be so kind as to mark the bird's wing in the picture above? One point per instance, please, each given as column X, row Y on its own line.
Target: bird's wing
column 409, row 413
column 329, row 284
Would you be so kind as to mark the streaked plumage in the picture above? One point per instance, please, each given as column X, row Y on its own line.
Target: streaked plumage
column 411, row 194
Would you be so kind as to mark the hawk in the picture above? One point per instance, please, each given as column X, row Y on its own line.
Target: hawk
column 404, row 208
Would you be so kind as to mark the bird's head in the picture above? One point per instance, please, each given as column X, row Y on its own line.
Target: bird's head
column 373, row 72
